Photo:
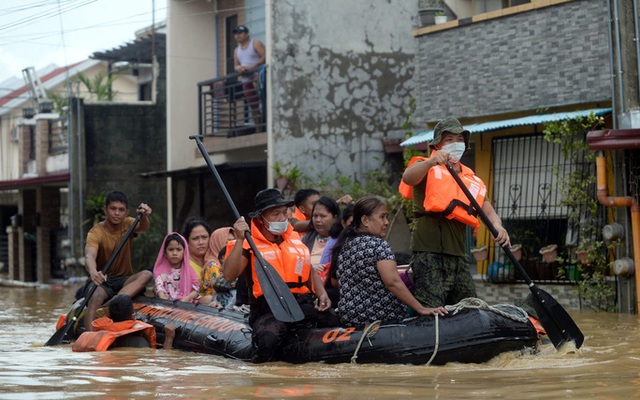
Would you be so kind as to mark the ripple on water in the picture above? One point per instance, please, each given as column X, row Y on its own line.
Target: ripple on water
column 605, row 367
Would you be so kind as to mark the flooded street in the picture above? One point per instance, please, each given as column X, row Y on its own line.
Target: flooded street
column 606, row 367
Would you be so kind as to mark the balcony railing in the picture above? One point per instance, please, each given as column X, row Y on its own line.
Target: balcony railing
column 233, row 105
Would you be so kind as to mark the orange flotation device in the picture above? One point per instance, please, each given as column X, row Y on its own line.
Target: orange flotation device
column 106, row 332
column 291, row 259
column 536, row 324
column 443, row 196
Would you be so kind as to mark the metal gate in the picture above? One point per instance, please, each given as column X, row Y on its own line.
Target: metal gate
column 528, row 174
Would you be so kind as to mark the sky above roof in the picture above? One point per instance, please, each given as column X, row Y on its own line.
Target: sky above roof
column 38, row 33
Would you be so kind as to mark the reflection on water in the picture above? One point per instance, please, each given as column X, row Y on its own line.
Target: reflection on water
column 607, row 367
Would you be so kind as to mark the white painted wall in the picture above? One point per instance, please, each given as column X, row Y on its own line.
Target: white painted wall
column 191, row 58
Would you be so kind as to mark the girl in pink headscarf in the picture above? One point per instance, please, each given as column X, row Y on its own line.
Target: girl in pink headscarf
column 173, row 275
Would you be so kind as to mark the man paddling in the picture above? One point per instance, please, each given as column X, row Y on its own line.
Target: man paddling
column 442, row 211
column 102, row 241
column 282, row 248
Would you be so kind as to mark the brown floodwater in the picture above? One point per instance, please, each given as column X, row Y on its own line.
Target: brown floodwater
column 606, row 367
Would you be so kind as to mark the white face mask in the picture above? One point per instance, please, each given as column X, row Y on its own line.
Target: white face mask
column 455, row 151
column 277, row 227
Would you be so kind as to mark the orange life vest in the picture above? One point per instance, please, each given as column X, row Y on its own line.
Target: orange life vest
column 536, row 324
column 106, row 332
column 299, row 215
column 405, row 190
column 444, row 196
column 291, row 259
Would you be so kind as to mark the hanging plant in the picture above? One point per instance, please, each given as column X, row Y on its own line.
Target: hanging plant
column 578, row 194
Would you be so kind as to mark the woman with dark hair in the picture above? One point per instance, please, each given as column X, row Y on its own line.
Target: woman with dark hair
column 197, row 231
column 336, row 230
column 370, row 286
column 331, row 285
column 217, row 291
column 325, row 214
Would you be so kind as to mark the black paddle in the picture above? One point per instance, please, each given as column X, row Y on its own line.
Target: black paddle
column 556, row 321
column 283, row 305
column 62, row 334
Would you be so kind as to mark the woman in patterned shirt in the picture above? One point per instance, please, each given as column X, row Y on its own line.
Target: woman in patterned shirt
column 370, row 286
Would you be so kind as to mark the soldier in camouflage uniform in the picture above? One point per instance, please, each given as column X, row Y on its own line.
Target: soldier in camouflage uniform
column 440, row 263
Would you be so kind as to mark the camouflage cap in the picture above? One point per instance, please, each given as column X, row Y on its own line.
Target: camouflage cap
column 449, row 125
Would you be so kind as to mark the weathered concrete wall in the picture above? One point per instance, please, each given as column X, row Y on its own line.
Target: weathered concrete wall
column 542, row 58
column 342, row 75
column 123, row 141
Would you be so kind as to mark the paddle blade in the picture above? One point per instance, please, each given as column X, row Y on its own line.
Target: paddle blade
column 62, row 335
column 281, row 301
column 67, row 331
column 556, row 321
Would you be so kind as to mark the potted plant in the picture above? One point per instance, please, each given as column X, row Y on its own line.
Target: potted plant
column 287, row 176
column 440, row 17
column 516, row 249
column 480, row 253
column 582, row 256
column 281, row 179
column 94, row 206
column 549, row 253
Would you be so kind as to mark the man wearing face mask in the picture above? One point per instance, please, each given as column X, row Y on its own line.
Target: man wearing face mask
column 281, row 247
column 442, row 212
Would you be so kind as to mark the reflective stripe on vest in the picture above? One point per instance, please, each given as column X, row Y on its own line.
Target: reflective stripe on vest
column 291, row 259
column 447, row 198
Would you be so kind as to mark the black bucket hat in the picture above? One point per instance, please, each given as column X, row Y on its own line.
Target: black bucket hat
column 449, row 125
column 268, row 198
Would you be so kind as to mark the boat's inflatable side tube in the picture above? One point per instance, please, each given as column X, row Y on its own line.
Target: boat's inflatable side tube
column 470, row 336
column 201, row 329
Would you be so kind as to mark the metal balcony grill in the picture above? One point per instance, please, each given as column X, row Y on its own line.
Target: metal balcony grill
column 232, row 105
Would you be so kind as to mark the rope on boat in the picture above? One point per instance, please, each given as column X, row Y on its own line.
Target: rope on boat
column 510, row 311
column 367, row 332
column 506, row 310
column 435, row 348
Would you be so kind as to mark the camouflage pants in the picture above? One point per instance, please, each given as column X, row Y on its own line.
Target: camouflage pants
column 441, row 279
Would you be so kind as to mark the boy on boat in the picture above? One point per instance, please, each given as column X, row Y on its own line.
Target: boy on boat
column 102, row 240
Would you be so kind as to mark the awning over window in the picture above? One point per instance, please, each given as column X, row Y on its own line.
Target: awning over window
column 426, row 136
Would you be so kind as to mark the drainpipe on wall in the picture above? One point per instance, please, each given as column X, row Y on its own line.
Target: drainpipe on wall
column 618, row 140
column 80, row 165
column 636, row 39
column 614, row 116
column 618, row 53
column 271, row 160
column 625, row 201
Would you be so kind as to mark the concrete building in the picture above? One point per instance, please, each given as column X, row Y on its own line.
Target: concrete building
column 338, row 80
column 505, row 73
column 62, row 145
